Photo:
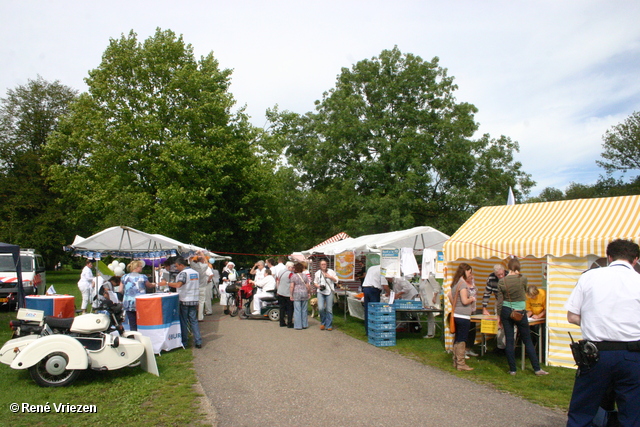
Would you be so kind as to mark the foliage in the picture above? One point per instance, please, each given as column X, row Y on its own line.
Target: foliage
column 622, row 146
column 604, row 187
column 31, row 215
column 390, row 148
column 154, row 144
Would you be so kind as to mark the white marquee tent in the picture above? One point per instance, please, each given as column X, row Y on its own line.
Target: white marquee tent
column 418, row 238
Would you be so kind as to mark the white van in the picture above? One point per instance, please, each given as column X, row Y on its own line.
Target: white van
column 34, row 276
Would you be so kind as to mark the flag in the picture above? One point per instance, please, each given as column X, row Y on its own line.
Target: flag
column 510, row 199
column 51, row 290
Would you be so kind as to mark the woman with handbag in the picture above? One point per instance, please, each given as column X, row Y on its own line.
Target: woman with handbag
column 463, row 306
column 511, row 309
column 300, row 288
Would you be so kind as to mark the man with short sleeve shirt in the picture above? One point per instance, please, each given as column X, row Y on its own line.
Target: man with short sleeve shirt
column 373, row 285
column 188, row 287
column 605, row 303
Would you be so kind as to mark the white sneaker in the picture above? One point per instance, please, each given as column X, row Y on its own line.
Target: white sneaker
column 471, row 353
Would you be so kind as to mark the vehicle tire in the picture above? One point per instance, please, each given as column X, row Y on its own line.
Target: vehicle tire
column 242, row 314
column 52, row 371
column 274, row 314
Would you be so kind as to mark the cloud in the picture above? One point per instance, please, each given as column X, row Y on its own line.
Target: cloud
column 553, row 76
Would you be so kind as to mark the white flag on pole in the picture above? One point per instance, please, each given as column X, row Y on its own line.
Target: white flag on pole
column 510, row 199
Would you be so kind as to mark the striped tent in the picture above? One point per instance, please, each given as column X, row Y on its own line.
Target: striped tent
column 555, row 241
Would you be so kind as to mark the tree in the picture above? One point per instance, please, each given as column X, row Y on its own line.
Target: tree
column 390, row 147
column 154, row 144
column 622, row 146
column 32, row 216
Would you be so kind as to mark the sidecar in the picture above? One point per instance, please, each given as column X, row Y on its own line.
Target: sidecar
column 57, row 360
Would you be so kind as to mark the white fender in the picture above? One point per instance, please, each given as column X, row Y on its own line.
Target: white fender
column 148, row 362
column 13, row 347
column 38, row 349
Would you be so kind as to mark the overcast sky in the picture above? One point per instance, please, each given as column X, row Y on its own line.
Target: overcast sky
column 552, row 75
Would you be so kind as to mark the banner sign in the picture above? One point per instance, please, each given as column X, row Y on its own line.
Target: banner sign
column 345, row 265
column 390, row 263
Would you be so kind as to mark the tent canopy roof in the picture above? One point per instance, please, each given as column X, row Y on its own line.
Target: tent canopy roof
column 127, row 242
column 418, row 238
column 570, row 227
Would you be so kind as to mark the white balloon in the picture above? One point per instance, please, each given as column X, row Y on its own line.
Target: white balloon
column 118, row 271
column 122, row 266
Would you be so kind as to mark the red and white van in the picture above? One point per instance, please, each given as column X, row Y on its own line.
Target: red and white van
column 34, row 276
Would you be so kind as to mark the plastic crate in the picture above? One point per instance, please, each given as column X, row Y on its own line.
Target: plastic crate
column 380, row 325
column 386, row 334
column 381, row 307
column 387, row 317
column 382, row 343
column 407, row 304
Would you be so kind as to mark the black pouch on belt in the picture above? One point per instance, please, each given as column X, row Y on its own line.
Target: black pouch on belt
column 585, row 353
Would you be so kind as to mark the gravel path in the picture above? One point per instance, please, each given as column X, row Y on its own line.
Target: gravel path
column 257, row 373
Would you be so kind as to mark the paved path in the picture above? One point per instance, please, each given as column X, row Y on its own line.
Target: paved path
column 257, row 373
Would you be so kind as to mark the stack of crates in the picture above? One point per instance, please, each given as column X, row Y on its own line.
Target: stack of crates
column 382, row 324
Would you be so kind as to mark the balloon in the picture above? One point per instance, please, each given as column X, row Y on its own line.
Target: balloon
column 122, row 266
column 118, row 271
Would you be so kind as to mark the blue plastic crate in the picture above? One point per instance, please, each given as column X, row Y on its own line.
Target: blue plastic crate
column 381, row 307
column 406, row 304
column 382, row 335
column 387, row 317
column 380, row 325
column 382, row 343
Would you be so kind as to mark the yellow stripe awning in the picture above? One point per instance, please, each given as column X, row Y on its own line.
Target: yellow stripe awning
column 578, row 227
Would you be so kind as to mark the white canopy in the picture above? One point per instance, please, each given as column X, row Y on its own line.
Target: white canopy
column 126, row 242
column 418, row 238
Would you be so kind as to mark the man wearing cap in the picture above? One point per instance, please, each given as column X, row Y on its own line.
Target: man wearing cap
column 605, row 303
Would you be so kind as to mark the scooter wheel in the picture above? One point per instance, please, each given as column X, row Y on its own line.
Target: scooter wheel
column 274, row 314
column 242, row 314
column 233, row 310
column 52, row 371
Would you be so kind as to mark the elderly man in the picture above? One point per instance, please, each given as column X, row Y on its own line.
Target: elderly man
column 199, row 264
column 187, row 284
column 605, row 303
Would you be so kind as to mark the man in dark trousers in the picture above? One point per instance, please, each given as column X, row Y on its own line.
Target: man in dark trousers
column 606, row 305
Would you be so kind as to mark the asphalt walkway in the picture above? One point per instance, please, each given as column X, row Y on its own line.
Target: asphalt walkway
column 257, row 373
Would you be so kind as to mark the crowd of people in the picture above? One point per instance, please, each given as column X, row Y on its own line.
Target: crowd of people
column 604, row 304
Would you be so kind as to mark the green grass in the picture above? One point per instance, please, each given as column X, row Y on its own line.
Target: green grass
column 553, row 390
column 127, row 395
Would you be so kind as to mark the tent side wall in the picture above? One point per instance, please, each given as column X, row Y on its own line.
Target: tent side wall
column 563, row 274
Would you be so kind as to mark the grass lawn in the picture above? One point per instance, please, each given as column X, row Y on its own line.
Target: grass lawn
column 553, row 390
column 124, row 396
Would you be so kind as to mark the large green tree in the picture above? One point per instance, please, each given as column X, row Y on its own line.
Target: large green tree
column 622, row 146
column 30, row 212
column 154, row 144
column 390, row 147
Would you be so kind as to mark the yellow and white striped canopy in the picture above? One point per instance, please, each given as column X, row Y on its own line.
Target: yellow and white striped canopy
column 570, row 227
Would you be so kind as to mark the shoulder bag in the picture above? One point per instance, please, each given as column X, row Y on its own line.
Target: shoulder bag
column 452, row 322
column 515, row 314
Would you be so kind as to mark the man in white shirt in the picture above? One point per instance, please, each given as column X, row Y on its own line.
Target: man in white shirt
column 605, row 303
column 373, row 285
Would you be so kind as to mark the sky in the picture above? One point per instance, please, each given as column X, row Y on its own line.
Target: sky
column 552, row 75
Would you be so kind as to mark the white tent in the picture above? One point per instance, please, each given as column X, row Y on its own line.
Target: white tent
column 126, row 242
column 418, row 238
